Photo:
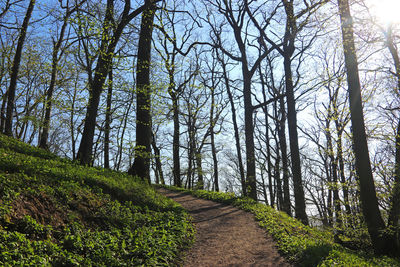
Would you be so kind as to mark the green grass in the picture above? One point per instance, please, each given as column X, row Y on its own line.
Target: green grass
column 300, row 244
column 54, row 212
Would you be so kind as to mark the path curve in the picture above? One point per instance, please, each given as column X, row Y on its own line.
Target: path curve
column 225, row 235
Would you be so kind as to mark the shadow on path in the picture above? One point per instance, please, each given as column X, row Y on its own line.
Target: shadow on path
column 225, row 235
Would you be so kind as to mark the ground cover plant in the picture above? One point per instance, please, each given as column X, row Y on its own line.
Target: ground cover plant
column 300, row 244
column 54, row 212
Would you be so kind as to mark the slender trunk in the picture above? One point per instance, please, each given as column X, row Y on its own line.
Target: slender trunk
column 15, row 69
column 72, row 122
column 247, row 74
column 235, row 128
column 382, row 243
column 279, row 194
column 125, row 122
column 251, row 180
column 264, row 188
column 199, row 167
column 269, row 163
column 288, row 50
column 107, row 127
column 328, row 173
column 3, row 112
column 212, row 136
column 345, row 187
column 267, row 141
column 176, row 143
column 286, row 204
column 141, row 164
column 49, row 94
column 277, row 170
column 334, row 184
column 215, row 162
column 191, row 151
column 157, row 156
column 300, row 203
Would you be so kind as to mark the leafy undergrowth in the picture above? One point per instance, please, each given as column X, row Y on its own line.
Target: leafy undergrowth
column 57, row 213
column 300, row 244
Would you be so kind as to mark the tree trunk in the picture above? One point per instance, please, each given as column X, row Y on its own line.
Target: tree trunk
column 107, row 48
column 212, row 136
column 199, row 168
column 124, row 122
column 107, row 126
column 3, row 112
column 288, row 50
column 334, row 171
column 345, row 187
column 382, row 243
column 176, row 143
column 235, row 127
column 251, row 181
column 157, row 156
column 300, row 204
column 267, row 141
column 15, row 69
column 394, row 212
column 49, row 94
column 277, row 170
column 141, row 164
column 286, row 204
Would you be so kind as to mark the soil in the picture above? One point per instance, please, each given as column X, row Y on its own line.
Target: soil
column 225, row 235
column 41, row 207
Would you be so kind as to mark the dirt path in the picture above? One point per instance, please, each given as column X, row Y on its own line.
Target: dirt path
column 226, row 236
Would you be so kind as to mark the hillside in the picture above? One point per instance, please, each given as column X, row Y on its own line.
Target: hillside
column 54, row 212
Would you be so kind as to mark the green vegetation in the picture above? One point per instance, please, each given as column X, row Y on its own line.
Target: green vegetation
column 54, row 212
column 300, row 244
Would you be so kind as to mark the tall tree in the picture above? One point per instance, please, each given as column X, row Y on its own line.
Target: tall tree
column 394, row 212
column 381, row 241
column 225, row 76
column 57, row 53
column 111, row 33
column 235, row 15
column 141, row 164
column 295, row 23
column 15, row 68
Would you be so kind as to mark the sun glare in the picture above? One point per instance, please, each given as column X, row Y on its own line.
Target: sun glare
column 385, row 11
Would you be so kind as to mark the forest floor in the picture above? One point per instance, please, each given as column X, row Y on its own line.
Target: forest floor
column 225, row 235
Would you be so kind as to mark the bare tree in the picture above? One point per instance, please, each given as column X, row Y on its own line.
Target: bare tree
column 381, row 241
column 57, row 53
column 15, row 68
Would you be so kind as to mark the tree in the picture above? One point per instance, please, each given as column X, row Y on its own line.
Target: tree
column 226, row 79
column 107, row 127
column 58, row 52
column 168, row 23
column 111, row 33
column 381, row 241
column 394, row 212
column 235, row 16
column 15, row 68
column 141, row 164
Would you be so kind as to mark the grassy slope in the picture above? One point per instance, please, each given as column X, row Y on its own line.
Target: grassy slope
column 302, row 245
column 55, row 212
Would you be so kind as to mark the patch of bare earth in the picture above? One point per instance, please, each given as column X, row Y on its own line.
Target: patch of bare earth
column 41, row 207
column 225, row 235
